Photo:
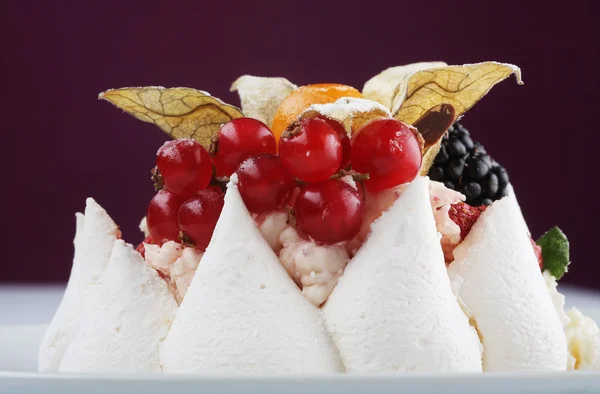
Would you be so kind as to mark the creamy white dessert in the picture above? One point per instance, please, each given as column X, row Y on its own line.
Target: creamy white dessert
column 497, row 280
column 95, row 234
column 393, row 309
column 583, row 339
column 314, row 243
column 126, row 320
column 242, row 312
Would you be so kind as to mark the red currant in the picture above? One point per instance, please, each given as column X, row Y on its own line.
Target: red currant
column 388, row 151
column 198, row 217
column 162, row 216
column 185, row 166
column 240, row 139
column 329, row 211
column 264, row 183
column 337, row 126
column 311, row 150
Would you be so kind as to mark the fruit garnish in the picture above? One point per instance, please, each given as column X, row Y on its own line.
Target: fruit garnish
column 260, row 97
column 465, row 216
column 179, row 112
column 162, row 216
column 264, row 184
column 463, row 165
column 555, row 251
column 305, row 96
column 410, row 91
column 184, row 167
column 352, row 113
column 239, row 139
column 198, row 217
column 387, row 150
column 311, row 150
column 329, row 211
column 385, row 86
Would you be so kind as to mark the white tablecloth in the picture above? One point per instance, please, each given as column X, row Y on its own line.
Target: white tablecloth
column 33, row 304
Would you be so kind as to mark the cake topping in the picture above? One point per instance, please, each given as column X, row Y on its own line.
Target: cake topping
column 261, row 97
column 352, row 113
column 197, row 217
column 555, row 252
column 184, row 167
column 305, row 96
column 464, row 165
column 387, row 150
column 179, row 112
column 311, row 150
column 265, row 185
column 329, row 211
column 238, row 140
column 162, row 216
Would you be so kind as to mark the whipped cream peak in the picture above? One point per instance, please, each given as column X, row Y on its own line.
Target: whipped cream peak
column 95, row 235
column 123, row 324
column 65, row 322
column 393, row 309
column 496, row 277
column 242, row 312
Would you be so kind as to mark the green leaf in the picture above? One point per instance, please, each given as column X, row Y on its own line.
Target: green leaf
column 555, row 251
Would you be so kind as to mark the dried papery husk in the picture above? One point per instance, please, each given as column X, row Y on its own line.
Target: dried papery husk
column 261, row 96
column 179, row 112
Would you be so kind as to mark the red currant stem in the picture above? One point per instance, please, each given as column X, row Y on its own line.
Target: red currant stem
column 214, row 145
column 186, row 240
column 157, row 178
column 356, row 176
column 291, row 220
column 293, row 129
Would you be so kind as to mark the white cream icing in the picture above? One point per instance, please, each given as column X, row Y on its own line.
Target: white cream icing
column 497, row 280
column 123, row 324
column 243, row 313
column 393, row 309
column 583, row 339
column 94, row 239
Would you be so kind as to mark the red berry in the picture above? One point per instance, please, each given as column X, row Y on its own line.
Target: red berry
column 185, row 166
column 537, row 249
column 264, row 183
column 465, row 216
column 344, row 139
column 388, row 151
column 198, row 217
column 311, row 150
column 240, row 139
column 141, row 249
column 162, row 216
column 329, row 211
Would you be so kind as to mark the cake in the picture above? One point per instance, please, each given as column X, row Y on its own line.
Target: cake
column 320, row 229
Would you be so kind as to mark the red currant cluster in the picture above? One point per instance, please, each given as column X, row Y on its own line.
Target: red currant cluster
column 311, row 152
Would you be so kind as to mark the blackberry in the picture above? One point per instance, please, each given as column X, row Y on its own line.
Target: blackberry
column 464, row 165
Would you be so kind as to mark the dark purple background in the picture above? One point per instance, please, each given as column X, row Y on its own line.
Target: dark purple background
column 62, row 145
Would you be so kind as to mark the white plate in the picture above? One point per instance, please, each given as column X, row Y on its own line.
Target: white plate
column 18, row 363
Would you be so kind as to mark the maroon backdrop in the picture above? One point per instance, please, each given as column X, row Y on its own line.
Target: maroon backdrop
column 62, row 145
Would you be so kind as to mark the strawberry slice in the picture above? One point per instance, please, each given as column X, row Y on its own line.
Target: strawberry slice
column 537, row 249
column 465, row 216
